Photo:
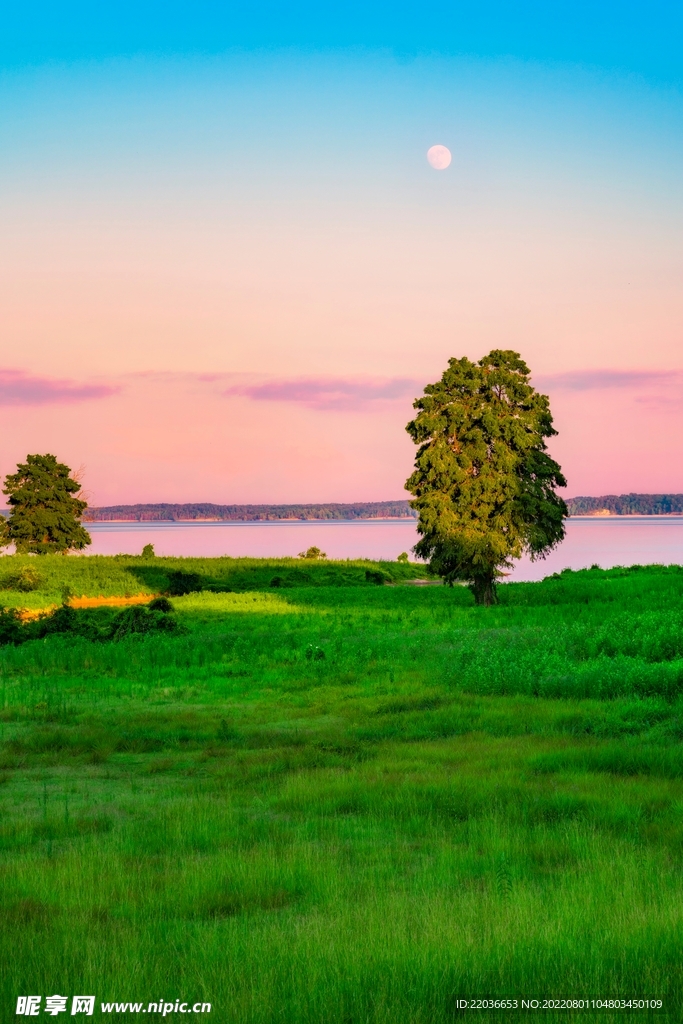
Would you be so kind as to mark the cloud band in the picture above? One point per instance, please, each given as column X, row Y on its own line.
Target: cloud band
column 19, row 388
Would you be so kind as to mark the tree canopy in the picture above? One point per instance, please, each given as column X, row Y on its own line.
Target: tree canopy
column 45, row 508
column 484, row 485
column 313, row 554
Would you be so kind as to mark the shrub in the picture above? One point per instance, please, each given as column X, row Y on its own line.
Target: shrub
column 377, row 576
column 181, row 583
column 90, row 624
column 10, row 626
column 148, row 551
column 25, row 579
column 141, row 620
column 312, row 553
column 67, row 620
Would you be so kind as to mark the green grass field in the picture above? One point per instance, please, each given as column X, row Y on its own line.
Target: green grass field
column 326, row 800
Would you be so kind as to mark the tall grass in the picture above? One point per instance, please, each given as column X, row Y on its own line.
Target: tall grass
column 127, row 575
column 351, row 803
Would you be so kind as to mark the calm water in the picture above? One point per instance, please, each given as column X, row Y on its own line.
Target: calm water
column 605, row 542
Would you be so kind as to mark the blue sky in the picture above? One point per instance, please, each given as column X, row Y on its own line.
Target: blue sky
column 631, row 37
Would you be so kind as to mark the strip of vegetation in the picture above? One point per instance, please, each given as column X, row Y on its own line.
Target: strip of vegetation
column 628, row 505
column 27, row 581
column 168, row 512
column 100, row 625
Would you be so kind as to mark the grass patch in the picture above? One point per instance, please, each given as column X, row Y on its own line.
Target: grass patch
column 448, row 801
column 26, row 581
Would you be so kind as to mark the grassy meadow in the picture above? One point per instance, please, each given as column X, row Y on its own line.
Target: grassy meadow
column 335, row 796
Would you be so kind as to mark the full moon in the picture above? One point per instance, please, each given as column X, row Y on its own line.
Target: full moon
column 439, row 157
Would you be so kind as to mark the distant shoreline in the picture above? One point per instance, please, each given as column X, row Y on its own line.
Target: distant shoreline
column 604, row 506
column 247, row 522
column 339, row 522
column 211, row 512
column 627, row 515
column 610, row 506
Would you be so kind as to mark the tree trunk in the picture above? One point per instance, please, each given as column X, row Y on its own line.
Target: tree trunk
column 484, row 590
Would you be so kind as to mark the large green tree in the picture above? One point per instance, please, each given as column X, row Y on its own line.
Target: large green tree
column 484, row 484
column 45, row 509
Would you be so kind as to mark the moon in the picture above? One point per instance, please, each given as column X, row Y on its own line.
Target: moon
column 439, row 157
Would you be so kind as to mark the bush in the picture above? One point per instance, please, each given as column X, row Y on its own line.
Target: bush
column 312, row 553
column 24, row 579
column 377, row 576
column 141, row 620
column 181, row 583
column 87, row 624
column 90, row 624
column 10, row 626
column 148, row 551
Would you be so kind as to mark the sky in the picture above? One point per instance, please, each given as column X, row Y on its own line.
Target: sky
column 227, row 268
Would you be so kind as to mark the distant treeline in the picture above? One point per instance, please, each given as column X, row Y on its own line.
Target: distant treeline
column 628, row 505
column 615, row 504
column 249, row 513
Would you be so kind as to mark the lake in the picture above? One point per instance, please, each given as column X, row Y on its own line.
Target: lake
column 623, row 540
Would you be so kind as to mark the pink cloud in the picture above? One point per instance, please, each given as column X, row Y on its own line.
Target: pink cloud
column 19, row 388
column 600, row 380
column 351, row 393
column 177, row 438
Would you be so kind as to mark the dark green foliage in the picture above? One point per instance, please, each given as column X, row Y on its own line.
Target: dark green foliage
column 10, row 627
column 24, row 579
column 67, row 620
column 484, row 484
column 92, row 625
column 226, row 733
column 313, row 554
column 166, row 512
column 628, row 504
column 102, row 624
column 180, row 583
column 140, row 619
column 45, row 512
column 377, row 576
column 403, row 557
column 148, row 551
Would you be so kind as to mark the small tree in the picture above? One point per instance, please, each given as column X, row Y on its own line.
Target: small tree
column 45, row 508
column 484, row 484
column 313, row 554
